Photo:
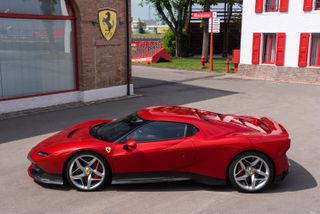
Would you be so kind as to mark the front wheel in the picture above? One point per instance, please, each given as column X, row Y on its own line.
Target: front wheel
column 87, row 171
column 251, row 172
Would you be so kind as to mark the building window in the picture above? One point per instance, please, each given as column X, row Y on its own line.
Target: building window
column 37, row 48
column 317, row 5
column 269, row 48
column 281, row 6
column 271, row 5
column 315, row 50
column 310, row 5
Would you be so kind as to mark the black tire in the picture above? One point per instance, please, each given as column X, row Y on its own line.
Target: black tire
column 249, row 155
column 107, row 175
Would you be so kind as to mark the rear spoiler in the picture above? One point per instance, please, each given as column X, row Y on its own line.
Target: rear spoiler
column 274, row 127
column 264, row 124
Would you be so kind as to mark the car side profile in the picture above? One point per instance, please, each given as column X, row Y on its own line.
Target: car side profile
column 165, row 143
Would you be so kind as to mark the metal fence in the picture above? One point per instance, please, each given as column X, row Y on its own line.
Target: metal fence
column 143, row 49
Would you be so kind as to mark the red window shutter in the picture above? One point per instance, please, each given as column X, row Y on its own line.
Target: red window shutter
column 281, row 46
column 259, row 6
column 307, row 5
column 304, row 49
column 256, row 48
column 284, row 6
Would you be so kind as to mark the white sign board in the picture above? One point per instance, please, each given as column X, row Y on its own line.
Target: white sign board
column 204, row 15
column 214, row 14
column 216, row 25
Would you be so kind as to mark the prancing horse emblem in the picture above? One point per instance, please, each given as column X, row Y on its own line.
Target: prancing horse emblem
column 108, row 150
column 108, row 22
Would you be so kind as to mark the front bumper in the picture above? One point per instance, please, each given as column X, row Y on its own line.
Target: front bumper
column 42, row 177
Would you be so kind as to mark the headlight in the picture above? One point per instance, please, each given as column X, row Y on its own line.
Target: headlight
column 43, row 154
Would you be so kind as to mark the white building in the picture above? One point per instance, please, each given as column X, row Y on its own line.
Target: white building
column 157, row 28
column 150, row 26
column 281, row 40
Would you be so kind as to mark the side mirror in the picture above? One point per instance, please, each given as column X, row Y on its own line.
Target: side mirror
column 130, row 145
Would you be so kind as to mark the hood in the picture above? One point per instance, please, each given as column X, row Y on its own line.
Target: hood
column 69, row 137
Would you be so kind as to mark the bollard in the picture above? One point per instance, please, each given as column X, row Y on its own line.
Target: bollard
column 203, row 61
column 227, row 65
column 236, row 59
column 236, row 68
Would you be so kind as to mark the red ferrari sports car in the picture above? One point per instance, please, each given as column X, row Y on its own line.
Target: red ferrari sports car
column 165, row 143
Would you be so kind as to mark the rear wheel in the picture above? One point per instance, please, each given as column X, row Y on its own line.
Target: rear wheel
column 87, row 171
column 251, row 172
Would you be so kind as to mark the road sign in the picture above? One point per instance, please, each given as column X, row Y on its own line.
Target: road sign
column 215, row 25
column 204, row 15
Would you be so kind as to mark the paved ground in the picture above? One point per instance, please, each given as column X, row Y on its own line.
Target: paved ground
column 296, row 106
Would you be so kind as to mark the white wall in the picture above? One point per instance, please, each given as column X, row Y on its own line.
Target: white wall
column 63, row 98
column 292, row 23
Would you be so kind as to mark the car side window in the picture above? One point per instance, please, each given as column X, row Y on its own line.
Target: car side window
column 191, row 131
column 159, row 131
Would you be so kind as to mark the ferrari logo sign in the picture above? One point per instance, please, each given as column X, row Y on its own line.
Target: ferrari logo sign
column 108, row 22
column 108, row 150
column 87, row 171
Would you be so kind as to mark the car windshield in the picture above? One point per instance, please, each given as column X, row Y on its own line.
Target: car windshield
column 116, row 129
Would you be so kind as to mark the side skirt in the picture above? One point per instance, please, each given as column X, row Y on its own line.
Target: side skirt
column 158, row 177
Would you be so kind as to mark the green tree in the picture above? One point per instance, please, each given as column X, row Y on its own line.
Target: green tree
column 169, row 42
column 141, row 25
column 229, row 18
column 175, row 13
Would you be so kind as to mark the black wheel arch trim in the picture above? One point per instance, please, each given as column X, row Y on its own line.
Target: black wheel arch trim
column 64, row 174
column 242, row 152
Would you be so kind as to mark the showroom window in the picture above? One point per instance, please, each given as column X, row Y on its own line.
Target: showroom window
column 315, row 50
column 37, row 45
column 269, row 48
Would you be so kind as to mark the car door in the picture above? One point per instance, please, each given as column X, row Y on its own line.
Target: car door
column 160, row 147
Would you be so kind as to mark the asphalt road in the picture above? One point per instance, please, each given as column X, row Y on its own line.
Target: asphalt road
column 295, row 106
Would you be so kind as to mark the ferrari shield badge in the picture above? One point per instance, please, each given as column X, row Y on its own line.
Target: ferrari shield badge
column 108, row 22
column 108, row 150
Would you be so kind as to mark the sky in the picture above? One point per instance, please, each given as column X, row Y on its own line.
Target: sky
column 141, row 12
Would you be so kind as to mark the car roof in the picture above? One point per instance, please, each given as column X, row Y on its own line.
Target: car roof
column 169, row 113
column 196, row 117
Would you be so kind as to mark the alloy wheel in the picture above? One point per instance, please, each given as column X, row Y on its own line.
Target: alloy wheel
column 251, row 173
column 87, row 172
